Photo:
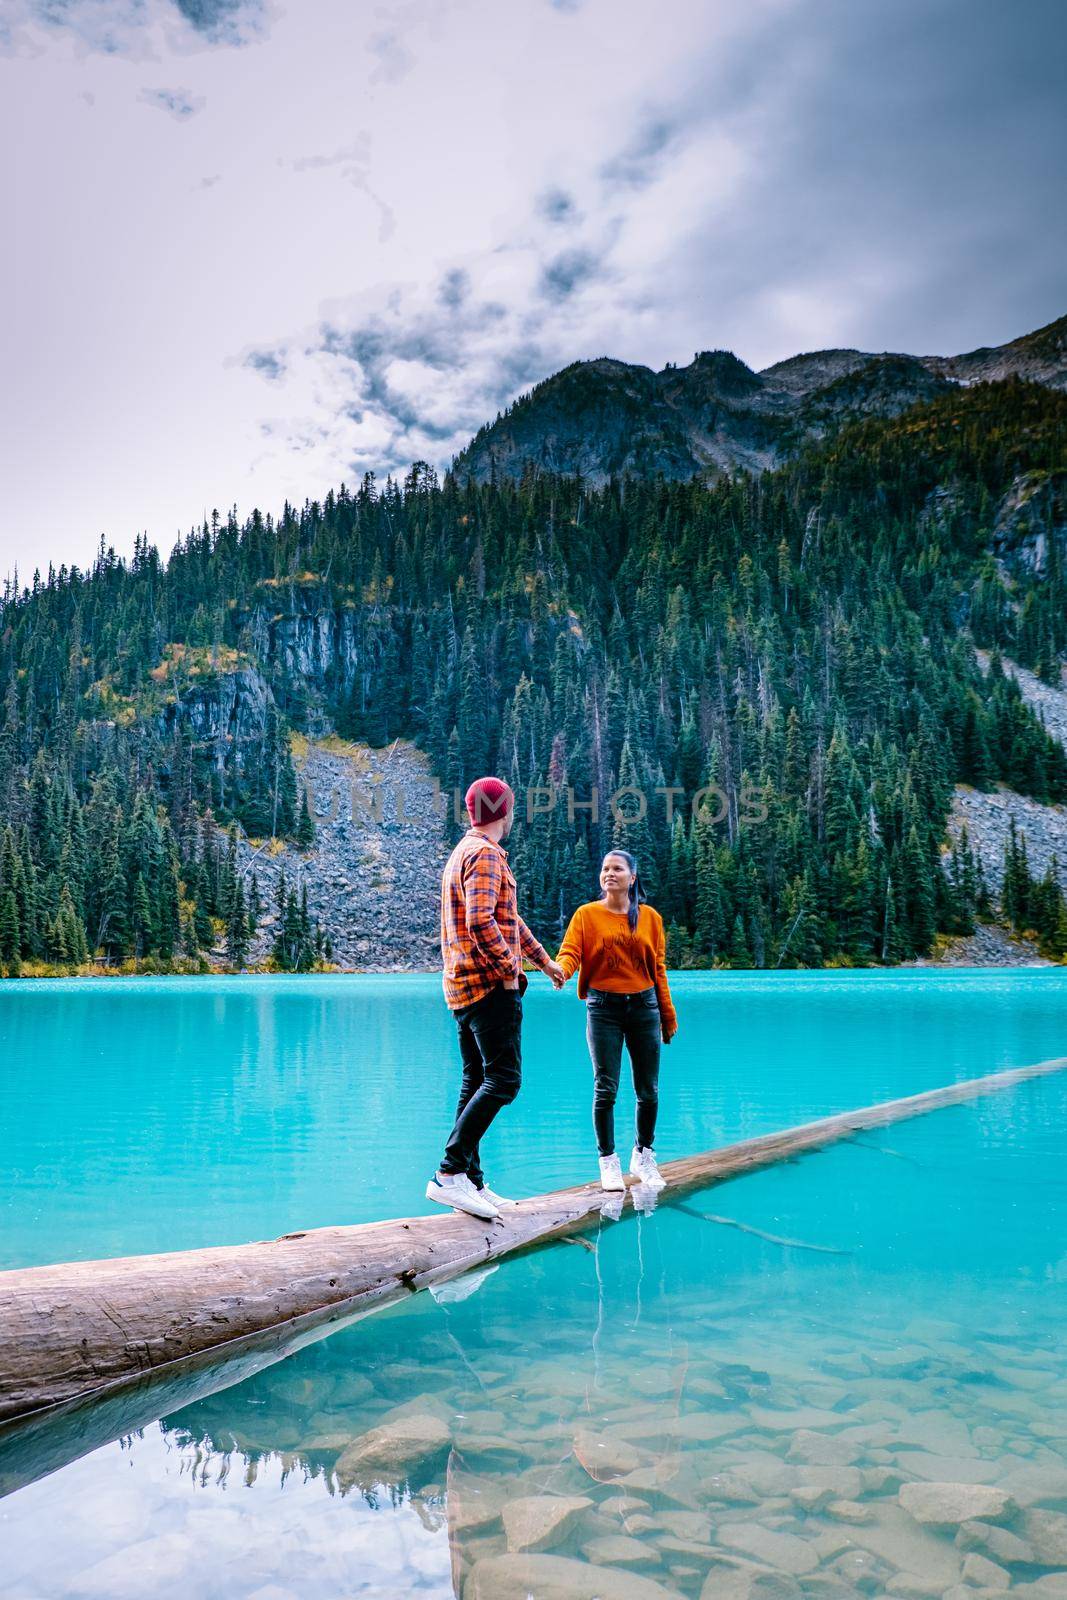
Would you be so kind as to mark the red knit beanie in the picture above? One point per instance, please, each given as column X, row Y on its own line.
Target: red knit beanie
column 487, row 800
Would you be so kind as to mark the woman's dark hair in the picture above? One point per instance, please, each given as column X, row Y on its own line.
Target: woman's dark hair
column 637, row 894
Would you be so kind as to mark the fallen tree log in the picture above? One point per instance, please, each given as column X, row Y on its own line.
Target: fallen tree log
column 83, row 1328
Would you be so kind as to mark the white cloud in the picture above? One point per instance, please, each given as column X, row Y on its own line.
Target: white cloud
column 374, row 234
column 140, row 29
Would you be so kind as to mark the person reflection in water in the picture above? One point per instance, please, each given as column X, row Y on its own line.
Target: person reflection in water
column 483, row 942
column 617, row 947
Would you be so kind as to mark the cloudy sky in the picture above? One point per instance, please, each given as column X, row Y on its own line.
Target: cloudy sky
column 255, row 248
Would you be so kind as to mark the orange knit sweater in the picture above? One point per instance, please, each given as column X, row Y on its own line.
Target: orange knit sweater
column 599, row 946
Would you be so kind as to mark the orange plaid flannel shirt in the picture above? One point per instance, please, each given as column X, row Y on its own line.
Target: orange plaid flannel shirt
column 483, row 938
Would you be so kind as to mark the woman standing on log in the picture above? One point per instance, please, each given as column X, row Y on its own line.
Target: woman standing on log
column 617, row 947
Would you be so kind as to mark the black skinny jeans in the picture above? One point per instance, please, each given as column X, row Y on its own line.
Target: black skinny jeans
column 613, row 1020
column 490, row 1043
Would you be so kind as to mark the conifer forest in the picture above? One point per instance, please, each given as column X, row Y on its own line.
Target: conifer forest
column 800, row 644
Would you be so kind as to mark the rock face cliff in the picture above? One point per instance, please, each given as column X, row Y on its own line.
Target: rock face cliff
column 302, row 646
column 299, row 631
column 224, row 711
column 607, row 418
column 1030, row 531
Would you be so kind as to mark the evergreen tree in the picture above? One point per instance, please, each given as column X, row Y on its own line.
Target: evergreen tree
column 237, row 937
column 304, row 835
column 10, row 935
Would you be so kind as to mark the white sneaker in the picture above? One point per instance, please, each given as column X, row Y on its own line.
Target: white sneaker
column 644, row 1168
column 643, row 1197
column 501, row 1201
column 456, row 1190
column 611, row 1177
column 611, row 1206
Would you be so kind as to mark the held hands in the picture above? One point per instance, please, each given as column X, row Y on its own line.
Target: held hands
column 553, row 971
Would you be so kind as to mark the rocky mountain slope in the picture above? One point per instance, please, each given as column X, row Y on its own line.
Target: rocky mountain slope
column 606, row 418
column 1040, row 356
column 988, row 817
column 988, row 946
column 372, row 876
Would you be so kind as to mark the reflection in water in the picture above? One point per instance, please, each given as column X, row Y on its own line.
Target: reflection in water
column 685, row 1408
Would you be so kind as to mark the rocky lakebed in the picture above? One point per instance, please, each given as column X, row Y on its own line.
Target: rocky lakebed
column 927, row 1462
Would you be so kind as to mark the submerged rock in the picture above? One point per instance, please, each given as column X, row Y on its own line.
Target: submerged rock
column 616, row 1550
column 904, row 1544
column 542, row 1521
column 937, row 1433
column 966, row 1591
column 880, row 1480
column 946, row 1505
column 811, row 1497
column 998, row 1543
column 985, row 1574
column 823, row 1450
column 518, row 1577
column 298, row 1392
column 781, row 1550
column 351, row 1388
column 1031, row 1485
column 766, row 1473
column 394, row 1451
column 686, row 1549
column 706, row 1427
column 729, row 1488
column 911, row 1586
column 1046, row 1532
column 606, row 1458
column 861, row 1570
column 498, row 1450
column 850, row 1511
column 903, row 1362
column 695, row 1525
column 474, row 1504
column 830, row 1542
column 594, row 1525
column 947, row 1469
column 623, row 1505
column 749, row 1583
column 810, row 1418
column 828, row 1586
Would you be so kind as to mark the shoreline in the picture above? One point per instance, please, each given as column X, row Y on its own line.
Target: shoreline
column 992, row 946
column 956, row 968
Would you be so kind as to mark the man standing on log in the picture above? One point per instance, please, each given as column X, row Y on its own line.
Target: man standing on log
column 483, row 941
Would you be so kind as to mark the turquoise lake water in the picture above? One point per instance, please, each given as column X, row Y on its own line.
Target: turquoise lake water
column 687, row 1407
column 140, row 1115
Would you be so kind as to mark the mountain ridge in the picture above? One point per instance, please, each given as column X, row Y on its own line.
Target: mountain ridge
column 606, row 418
